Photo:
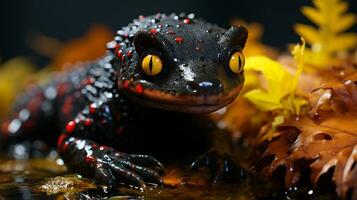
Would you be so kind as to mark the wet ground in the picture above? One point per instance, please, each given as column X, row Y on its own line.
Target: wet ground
column 47, row 178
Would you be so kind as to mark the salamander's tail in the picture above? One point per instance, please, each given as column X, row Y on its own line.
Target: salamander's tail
column 31, row 119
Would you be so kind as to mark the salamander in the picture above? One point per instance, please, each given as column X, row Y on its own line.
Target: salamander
column 148, row 97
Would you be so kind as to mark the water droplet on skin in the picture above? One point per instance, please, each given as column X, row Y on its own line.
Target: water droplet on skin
column 14, row 126
column 182, row 15
column 218, row 56
column 191, row 16
column 131, row 37
column 24, row 115
column 111, row 45
column 310, row 192
column 122, row 33
column 50, row 93
column 154, row 21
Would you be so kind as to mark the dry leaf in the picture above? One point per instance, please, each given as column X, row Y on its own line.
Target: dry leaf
column 326, row 140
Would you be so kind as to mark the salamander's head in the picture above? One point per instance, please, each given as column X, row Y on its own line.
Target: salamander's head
column 180, row 63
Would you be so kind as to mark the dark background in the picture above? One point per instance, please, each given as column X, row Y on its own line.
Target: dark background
column 65, row 19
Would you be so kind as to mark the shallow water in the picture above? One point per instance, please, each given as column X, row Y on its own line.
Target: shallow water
column 48, row 179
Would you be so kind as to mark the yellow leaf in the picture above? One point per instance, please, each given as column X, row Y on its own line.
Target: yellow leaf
column 13, row 75
column 340, row 6
column 344, row 23
column 313, row 15
column 310, row 33
column 343, row 42
column 298, row 54
column 277, row 121
column 328, row 38
column 265, row 101
column 280, row 83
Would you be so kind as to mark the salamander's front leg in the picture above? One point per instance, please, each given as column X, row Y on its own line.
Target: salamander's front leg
column 107, row 166
column 103, row 163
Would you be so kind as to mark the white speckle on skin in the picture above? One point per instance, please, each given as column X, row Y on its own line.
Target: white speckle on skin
column 50, row 93
column 81, row 144
column 24, row 115
column 188, row 74
column 14, row 126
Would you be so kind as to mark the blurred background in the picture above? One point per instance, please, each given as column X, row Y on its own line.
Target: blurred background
column 23, row 21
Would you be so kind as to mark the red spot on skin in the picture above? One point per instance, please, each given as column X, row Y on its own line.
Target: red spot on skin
column 88, row 81
column 62, row 88
column 92, row 108
column 90, row 159
column 35, row 102
column 179, row 40
column 87, row 122
column 126, row 84
column 187, row 21
column 153, row 31
column 120, row 53
column 65, row 146
column 70, row 126
column 129, row 53
column 61, row 138
column 29, row 125
column 117, row 47
column 139, row 88
column 67, row 106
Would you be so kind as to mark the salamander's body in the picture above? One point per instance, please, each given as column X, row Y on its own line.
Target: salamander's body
column 143, row 96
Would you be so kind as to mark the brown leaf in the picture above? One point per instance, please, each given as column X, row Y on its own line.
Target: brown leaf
column 325, row 140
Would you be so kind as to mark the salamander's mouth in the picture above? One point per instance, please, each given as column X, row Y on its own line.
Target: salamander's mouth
column 197, row 104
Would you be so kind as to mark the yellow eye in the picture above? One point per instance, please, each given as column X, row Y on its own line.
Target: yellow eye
column 151, row 65
column 236, row 62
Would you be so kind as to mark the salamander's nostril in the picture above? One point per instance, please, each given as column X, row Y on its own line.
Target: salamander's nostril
column 205, row 87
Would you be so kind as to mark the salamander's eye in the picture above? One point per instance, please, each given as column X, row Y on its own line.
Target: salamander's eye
column 236, row 62
column 151, row 65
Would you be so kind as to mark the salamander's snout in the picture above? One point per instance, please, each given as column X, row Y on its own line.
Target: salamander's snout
column 204, row 87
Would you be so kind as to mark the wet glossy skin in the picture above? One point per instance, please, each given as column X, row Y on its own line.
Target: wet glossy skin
column 111, row 106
